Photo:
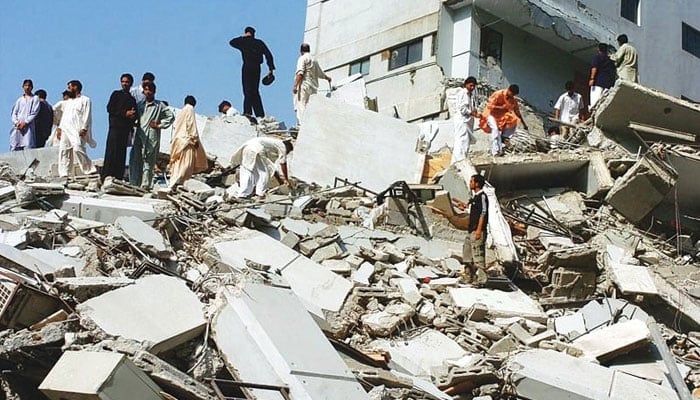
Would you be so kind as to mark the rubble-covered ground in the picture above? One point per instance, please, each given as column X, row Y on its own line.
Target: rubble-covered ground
column 355, row 288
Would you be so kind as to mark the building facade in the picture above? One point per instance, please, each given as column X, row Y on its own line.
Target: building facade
column 406, row 48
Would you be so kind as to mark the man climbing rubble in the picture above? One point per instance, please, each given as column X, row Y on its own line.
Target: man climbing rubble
column 500, row 118
column 258, row 159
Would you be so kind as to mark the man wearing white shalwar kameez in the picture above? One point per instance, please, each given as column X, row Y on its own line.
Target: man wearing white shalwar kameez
column 258, row 159
column 24, row 112
column 463, row 120
column 187, row 156
column 74, row 131
column 306, row 80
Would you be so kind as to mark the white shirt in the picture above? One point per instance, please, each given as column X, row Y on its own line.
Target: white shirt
column 465, row 104
column 308, row 67
column 77, row 115
column 137, row 93
column 569, row 107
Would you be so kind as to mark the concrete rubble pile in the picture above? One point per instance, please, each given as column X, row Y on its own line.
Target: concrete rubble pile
column 351, row 284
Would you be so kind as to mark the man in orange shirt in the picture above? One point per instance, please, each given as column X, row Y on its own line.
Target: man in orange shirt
column 501, row 117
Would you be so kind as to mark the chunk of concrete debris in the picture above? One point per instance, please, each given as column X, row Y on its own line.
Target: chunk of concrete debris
column 16, row 238
column 642, row 188
column 107, row 209
column 548, row 374
column 58, row 261
column 630, row 278
column 331, row 251
column 22, row 263
column 356, row 140
column 97, row 375
column 158, row 309
column 251, row 329
column 144, row 237
column 423, row 355
column 409, row 290
column 199, row 189
column 499, row 303
column 84, row 288
column 606, row 343
column 385, row 322
column 363, row 274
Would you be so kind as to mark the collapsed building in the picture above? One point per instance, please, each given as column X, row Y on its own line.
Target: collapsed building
column 348, row 285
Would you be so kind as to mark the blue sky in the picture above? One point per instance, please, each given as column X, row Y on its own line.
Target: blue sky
column 184, row 43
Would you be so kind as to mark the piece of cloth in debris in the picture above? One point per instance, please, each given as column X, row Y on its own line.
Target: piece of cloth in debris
column 463, row 122
column 120, row 126
column 25, row 109
column 308, row 68
column 144, row 152
column 187, row 155
column 77, row 116
column 625, row 60
column 258, row 158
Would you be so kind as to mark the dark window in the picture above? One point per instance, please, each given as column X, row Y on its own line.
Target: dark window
column 406, row 54
column 360, row 67
column 629, row 10
column 690, row 39
column 491, row 44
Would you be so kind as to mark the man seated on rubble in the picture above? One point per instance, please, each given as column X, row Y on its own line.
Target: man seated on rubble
column 259, row 158
column 226, row 109
column 569, row 108
column 500, row 118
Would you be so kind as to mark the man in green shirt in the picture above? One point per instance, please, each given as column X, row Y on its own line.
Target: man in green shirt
column 153, row 116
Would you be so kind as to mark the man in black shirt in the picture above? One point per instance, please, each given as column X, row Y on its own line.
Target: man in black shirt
column 122, row 116
column 44, row 119
column 602, row 74
column 474, row 249
column 252, row 51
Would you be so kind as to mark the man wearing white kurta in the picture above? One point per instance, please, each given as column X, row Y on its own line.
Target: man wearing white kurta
column 258, row 159
column 463, row 119
column 569, row 108
column 306, row 79
column 74, row 131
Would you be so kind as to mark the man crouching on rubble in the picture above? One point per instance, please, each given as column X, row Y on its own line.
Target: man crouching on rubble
column 474, row 249
column 258, row 159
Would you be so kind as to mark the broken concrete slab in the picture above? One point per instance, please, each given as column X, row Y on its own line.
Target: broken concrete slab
column 422, row 354
column 84, row 288
column 358, row 139
column 642, row 187
column 16, row 238
column 87, row 375
column 315, row 284
column 157, row 309
column 57, row 260
column 23, row 263
column 107, row 209
column 20, row 161
column 499, row 303
column 144, row 236
column 251, row 329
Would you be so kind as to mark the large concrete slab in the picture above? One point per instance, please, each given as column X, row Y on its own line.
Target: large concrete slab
column 266, row 336
column 108, row 209
column 91, row 375
column 547, row 374
column 340, row 140
column 498, row 302
column 144, row 236
column 57, row 260
column 23, row 263
column 611, row 341
column 158, row 309
column 19, row 161
column 319, row 288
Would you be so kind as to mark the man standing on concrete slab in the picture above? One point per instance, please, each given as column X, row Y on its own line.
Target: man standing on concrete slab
column 474, row 249
column 122, row 116
column 258, row 159
column 252, row 50
column 153, row 116
column 501, row 118
column 187, row 155
column 24, row 112
column 137, row 91
column 306, row 80
column 43, row 120
column 463, row 120
column 625, row 59
column 602, row 74
column 569, row 108
column 75, row 131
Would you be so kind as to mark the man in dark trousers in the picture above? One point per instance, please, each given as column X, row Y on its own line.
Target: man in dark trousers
column 43, row 120
column 252, row 51
column 122, row 116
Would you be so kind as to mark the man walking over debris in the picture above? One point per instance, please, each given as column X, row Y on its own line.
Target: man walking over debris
column 75, row 131
column 153, row 116
column 24, row 112
column 474, row 249
column 122, row 116
column 259, row 158
column 187, row 155
column 306, row 80
column 463, row 120
column 568, row 108
column 602, row 74
column 252, row 50
column 44, row 119
column 625, row 59
column 501, row 118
